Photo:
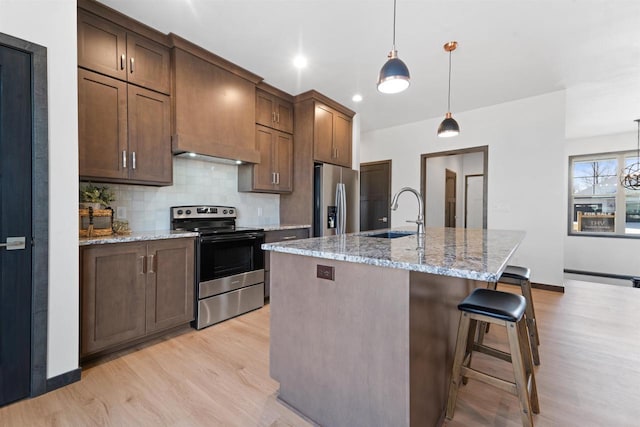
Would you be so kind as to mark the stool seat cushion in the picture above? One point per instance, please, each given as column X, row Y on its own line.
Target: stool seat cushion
column 515, row 272
column 496, row 304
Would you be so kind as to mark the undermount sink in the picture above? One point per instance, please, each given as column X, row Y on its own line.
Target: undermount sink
column 390, row 234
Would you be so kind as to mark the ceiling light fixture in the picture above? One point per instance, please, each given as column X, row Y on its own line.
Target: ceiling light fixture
column 394, row 75
column 449, row 127
column 630, row 176
column 300, row 62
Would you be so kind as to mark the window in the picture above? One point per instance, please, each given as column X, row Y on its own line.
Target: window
column 599, row 204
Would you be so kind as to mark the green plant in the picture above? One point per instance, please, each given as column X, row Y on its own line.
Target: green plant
column 93, row 194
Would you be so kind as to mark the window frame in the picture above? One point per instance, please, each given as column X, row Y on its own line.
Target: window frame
column 620, row 195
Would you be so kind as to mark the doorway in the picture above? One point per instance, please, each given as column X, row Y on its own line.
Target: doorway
column 446, row 197
column 23, row 237
column 450, row 184
column 375, row 195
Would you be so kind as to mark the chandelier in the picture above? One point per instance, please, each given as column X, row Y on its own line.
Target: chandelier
column 630, row 176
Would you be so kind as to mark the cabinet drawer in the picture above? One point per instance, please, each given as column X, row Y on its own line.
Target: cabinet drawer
column 284, row 235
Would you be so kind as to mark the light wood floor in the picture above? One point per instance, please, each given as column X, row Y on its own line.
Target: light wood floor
column 589, row 376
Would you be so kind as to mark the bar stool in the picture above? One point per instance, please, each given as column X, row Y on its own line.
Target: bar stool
column 506, row 309
column 520, row 276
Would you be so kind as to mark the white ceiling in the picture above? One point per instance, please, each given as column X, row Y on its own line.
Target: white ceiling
column 508, row 49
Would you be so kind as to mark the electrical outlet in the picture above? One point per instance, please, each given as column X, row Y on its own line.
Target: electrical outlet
column 121, row 212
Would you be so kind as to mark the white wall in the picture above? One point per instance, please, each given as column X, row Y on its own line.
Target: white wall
column 52, row 23
column 601, row 254
column 526, row 162
column 195, row 182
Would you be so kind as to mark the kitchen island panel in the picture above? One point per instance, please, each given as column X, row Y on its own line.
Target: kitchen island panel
column 339, row 348
column 372, row 348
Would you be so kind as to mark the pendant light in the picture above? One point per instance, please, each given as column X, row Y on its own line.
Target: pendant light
column 630, row 176
column 449, row 127
column 394, row 75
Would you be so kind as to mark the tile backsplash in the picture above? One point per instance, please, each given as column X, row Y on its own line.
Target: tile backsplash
column 195, row 182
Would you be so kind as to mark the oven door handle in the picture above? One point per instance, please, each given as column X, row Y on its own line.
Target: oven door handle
column 208, row 239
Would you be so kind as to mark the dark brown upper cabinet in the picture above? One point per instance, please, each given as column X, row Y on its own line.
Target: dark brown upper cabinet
column 124, row 132
column 273, row 111
column 113, row 50
column 214, row 104
column 325, row 127
column 331, row 136
column 274, row 173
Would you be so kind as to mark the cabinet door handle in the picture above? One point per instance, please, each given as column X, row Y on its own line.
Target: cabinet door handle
column 289, row 237
column 133, row 160
column 277, row 177
column 278, row 117
column 143, row 264
column 124, row 159
column 122, row 59
column 273, row 116
column 151, row 267
column 131, row 61
column 273, row 177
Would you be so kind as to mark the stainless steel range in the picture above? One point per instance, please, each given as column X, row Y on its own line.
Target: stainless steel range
column 230, row 262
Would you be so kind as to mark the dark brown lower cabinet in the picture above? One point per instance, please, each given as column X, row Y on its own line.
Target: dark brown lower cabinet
column 132, row 290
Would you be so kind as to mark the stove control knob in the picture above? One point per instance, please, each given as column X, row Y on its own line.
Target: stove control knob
column 230, row 211
column 180, row 212
column 188, row 211
column 224, row 211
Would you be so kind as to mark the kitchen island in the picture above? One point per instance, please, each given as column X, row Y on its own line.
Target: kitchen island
column 363, row 328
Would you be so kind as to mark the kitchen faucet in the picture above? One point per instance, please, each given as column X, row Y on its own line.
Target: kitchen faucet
column 420, row 220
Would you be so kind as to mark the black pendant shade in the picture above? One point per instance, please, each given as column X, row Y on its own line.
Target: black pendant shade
column 394, row 74
column 449, row 127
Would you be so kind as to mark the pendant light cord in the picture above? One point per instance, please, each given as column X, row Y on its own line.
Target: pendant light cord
column 394, row 24
column 449, row 92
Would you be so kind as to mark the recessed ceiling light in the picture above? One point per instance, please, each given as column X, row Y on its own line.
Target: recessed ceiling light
column 300, row 61
column 192, row 154
column 356, row 98
column 238, row 162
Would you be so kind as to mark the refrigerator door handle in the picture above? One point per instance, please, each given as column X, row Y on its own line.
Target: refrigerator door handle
column 341, row 209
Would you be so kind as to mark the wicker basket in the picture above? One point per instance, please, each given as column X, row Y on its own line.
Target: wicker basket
column 95, row 222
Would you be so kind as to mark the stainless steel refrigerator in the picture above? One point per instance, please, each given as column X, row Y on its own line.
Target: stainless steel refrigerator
column 336, row 200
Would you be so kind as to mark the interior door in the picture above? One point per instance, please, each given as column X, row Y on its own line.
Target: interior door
column 473, row 201
column 450, row 198
column 375, row 195
column 15, row 224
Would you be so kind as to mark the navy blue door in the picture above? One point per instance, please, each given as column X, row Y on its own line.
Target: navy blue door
column 15, row 223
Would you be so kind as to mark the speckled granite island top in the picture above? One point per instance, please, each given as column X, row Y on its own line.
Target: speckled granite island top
column 475, row 254
column 136, row 237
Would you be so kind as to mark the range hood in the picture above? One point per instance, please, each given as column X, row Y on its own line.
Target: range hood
column 202, row 157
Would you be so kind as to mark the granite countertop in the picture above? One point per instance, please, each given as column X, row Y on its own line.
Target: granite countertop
column 476, row 254
column 276, row 227
column 136, row 237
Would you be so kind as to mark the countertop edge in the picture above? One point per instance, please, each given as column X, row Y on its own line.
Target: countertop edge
column 279, row 227
column 422, row 268
column 136, row 237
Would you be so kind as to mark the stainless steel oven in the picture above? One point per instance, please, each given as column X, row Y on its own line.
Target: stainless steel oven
column 230, row 262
